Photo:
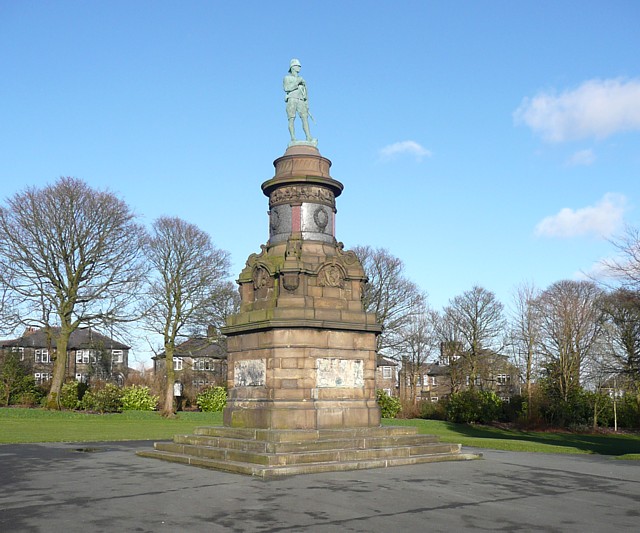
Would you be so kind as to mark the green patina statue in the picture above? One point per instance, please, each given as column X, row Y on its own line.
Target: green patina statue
column 297, row 102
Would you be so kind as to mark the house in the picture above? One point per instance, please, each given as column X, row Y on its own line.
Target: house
column 435, row 381
column 432, row 382
column 199, row 362
column 90, row 354
column 387, row 375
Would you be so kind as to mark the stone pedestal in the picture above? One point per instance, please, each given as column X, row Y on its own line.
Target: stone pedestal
column 301, row 352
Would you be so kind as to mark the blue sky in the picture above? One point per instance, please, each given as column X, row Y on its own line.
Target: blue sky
column 483, row 142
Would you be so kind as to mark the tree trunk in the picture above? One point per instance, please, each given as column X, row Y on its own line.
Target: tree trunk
column 168, row 411
column 59, row 368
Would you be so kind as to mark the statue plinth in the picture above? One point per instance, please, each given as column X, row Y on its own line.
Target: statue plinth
column 302, row 351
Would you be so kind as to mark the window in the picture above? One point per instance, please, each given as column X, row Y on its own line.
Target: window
column 434, row 381
column 18, row 350
column 386, row 372
column 41, row 377
column 203, row 364
column 82, row 356
column 388, row 391
column 177, row 363
column 82, row 378
column 434, row 398
column 503, row 378
column 42, row 356
column 425, row 380
column 117, row 356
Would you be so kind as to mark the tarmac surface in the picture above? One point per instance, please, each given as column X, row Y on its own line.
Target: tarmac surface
column 92, row 487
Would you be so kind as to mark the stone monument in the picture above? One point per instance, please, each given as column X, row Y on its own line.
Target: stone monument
column 302, row 350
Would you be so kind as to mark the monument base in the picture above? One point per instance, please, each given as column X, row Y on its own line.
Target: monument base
column 272, row 453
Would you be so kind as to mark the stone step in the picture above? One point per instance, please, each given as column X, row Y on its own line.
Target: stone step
column 305, row 445
column 275, row 471
column 300, row 435
column 300, row 457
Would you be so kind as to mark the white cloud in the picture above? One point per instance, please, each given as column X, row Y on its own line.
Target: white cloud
column 404, row 148
column 582, row 157
column 597, row 108
column 601, row 219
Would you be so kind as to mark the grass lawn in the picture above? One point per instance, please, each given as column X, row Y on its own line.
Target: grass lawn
column 623, row 446
column 38, row 425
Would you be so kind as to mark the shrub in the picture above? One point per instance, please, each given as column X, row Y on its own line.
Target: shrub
column 69, row 397
column 212, row 399
column 433, row 410
column 31, row 398
column 105, row 400
column 471, row 406
column 138, row 398
column 389, row 405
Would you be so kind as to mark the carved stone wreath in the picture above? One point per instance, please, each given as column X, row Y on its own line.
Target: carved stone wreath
column 274, row 220
column 321, row 218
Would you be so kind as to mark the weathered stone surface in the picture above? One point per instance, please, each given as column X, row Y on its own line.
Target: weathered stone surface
column 276, row 453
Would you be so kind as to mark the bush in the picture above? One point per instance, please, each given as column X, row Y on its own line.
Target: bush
column 433, row 410
column 212, row 399
column 138, row 398
column 105, row 400
column 471, row 406
column 389, row 405
column 69, row 397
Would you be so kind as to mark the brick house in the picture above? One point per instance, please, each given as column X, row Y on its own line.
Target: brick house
column 387, row 375
column 199, row 362
column 435, row 381
column 90, row 355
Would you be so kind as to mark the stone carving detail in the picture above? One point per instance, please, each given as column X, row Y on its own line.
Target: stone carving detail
column 294, row 249
column 274, row 220
column 340, row 373
column 291, row 280
column 261, row 278
column 331, row 275
column 253, row 258
column 321, row 218
column 348, row 257
column 250, row 373
column 302, row 193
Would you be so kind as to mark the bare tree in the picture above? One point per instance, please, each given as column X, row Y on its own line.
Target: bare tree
column 187, row 288
column 474, row 322
column 390, row 295
column 418, row 344
column 621, row 314
column 525, row 334
column 626, row 267
column 70, row 255
column 570, row 327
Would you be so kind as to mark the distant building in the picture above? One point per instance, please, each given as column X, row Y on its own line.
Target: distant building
column 199, row 362
column 90, row 355
column 387, row 375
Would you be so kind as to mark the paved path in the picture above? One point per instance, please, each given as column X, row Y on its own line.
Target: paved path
column 106, row 487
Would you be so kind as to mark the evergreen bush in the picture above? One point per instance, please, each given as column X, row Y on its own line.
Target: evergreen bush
column 472, row 406
column 138, row 398
column 105, row 400
column 389, row 405
column 212, row 399
column 69, row 397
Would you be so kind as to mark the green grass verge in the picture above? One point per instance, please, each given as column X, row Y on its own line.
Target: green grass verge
column 623, row 446
column 38, row 425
